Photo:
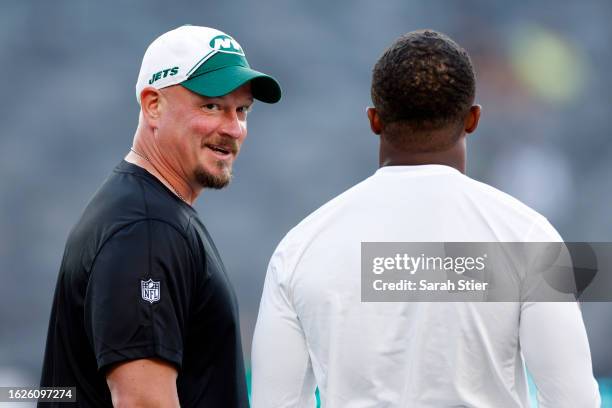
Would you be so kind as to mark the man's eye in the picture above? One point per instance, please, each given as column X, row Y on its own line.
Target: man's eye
column 211, row 106
column 244, row 109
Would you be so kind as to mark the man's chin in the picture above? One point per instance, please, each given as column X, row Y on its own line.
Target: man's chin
column 214, row 181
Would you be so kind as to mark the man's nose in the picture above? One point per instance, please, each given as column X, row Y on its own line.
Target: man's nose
column 232, row 126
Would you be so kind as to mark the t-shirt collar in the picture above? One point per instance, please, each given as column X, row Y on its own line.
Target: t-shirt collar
column 418, row 170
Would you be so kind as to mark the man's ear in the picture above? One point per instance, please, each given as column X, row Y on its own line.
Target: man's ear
column 374, row 118
column 150, row 103
column 472, row 118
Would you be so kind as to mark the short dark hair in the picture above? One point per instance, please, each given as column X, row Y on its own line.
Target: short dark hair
column 423, row 82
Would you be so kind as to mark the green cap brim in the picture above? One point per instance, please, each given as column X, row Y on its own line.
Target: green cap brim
column 225, row 80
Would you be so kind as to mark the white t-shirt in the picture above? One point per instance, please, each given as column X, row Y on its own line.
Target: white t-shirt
column 313, row 330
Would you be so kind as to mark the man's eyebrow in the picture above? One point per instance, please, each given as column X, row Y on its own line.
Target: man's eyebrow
column 207, row 99
column 247, row 102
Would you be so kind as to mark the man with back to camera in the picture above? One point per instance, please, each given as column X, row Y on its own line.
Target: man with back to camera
column 144, row 314
column 422, row 354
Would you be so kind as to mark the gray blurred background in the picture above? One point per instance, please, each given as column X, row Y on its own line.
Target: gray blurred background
column 68, row 115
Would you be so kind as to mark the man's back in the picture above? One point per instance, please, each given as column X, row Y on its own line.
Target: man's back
column 408, row 354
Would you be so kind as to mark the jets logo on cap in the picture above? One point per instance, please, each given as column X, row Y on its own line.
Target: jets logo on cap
column 225, row 43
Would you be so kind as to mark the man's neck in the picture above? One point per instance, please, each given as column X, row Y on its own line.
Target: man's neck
column 454, row 157
column 158, row 170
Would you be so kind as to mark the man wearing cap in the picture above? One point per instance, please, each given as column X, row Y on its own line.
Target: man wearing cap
column 413, row 354
column 144, row 313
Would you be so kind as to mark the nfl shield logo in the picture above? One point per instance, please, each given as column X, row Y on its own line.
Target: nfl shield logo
column 150, row 290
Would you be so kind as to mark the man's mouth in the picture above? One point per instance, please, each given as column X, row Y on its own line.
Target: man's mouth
column 222, row 151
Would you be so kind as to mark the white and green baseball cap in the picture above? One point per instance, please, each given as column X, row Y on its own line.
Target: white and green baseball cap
column 205, row 61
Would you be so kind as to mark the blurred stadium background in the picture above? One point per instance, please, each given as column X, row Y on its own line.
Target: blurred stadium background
column 69, row 112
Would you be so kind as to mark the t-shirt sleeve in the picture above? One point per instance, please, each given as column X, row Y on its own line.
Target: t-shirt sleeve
column 138, row 295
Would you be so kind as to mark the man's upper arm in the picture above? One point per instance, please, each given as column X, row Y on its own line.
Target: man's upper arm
column 555, row 345
column 281, row 367
column 137, row 300
column 556, row 350
column 143, row 383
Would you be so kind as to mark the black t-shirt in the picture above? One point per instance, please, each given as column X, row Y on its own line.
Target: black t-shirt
column 141, row 278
